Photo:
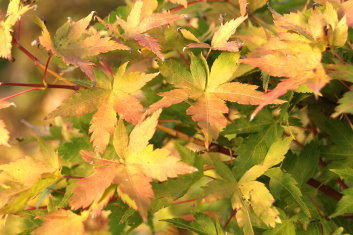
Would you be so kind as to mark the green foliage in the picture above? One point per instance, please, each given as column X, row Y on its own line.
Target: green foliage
column 183, row 122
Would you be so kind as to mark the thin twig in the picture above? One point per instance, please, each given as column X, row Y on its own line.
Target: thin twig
column 20, row 93
column 76, row 87
column 38, row 63
column 230, row 218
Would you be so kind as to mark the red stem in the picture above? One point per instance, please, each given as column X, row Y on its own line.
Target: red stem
column 230, row 218
column 39, row 85
column 183, row 58
column 44, row 78
column 20, row 93
column 186, row 201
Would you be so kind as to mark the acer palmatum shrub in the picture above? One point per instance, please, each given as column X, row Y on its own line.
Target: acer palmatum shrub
column 200, row 117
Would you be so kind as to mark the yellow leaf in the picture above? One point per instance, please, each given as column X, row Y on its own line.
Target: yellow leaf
column 159, row 164
column 142, row 133
column 14, row 11
column 225, row 31
column 4, row 134
column 189, row 36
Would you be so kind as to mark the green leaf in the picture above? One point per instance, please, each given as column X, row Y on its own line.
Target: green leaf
column 345, row 173
column 280, row 182
column 345, row 205
column 304, row 166
column 244, row 125
column 21, row 201
column 286, row 228
column 70, row 151
column 80, row 103
column 346, row 104
column 199, row 71
column 254, row 149
column 223, row 69
column 341, row 134
column 202, row 225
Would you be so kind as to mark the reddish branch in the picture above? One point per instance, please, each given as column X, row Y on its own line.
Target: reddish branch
column 76, row 87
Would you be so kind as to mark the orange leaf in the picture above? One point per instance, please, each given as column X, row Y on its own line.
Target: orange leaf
column 102, row 124
column 91, row 188
column 73, row 42
column 61, row 222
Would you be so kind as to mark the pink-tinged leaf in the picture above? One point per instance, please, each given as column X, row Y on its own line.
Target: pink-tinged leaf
column 241, row 93
column 242, row 5
column 91, row 188
column 135, row 189
column 150, row 43
column 91, row 158
column 229, row 46
column 208, row 111
column 281, row 89
column 128, row 107
column 61, row 222
column 285, row 58
column 156, row 20
column 4, row 134
column 74, row 41
column 158, row 164
column 175, row 96
column 348, row 10
column 198, row 45
column 102, row 124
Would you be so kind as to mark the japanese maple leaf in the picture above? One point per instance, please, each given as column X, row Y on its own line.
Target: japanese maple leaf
column 321, row 26
column 138, row 164
column 288, row 55
column 4, row 133
column 61, row 222
column 14, row 11
column 209, row 90
column 25, row 178
column 348, row 9
column 74, row 41
column 137, row 25
column 118, row 98
column 220, row 38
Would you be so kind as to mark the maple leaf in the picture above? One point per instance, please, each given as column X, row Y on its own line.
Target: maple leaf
column 220, row 38
column 4, row 133
column 74, row 41
column 288, row 55
column 61, row 222
column 118, row 98
column 348, row 9
column 138, row 164
column 322, row 27
column 139, row 21
column 24, row 178
column 14, row 11
column 209, row 90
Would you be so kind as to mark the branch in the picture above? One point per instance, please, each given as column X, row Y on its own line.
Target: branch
column 38, row 63
column 75, row 87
